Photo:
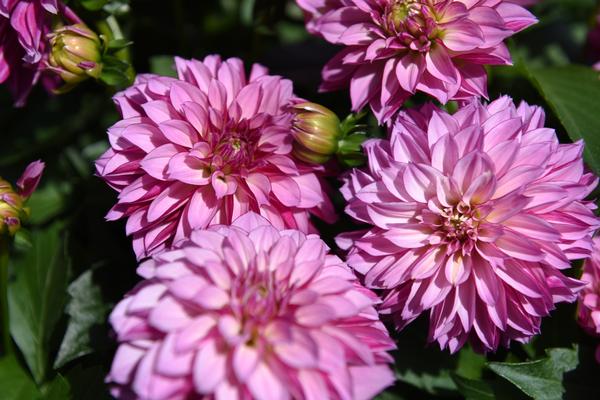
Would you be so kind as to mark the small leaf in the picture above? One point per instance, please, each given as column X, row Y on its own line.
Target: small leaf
column 540, row 379
column 118, row 44
column 93, row 5
column 47, row 202
column 15, row 383
column 473, row 389
column 58, row 389
column 37, row 296
column 163, row 65
column 573, row 93
column 86, row 310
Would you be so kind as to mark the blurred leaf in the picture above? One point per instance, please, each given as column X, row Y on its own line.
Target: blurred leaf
column 470, row 364
column 118, row 44
column 58, row 389
column 473, row 389
column 573, row 93
column 115, row 72
column 163, row 65
column 47, row 202
column 15, row 383
column 86, row 309
column 93, row 5
column 540, row 379
column 388, row 395
column 37, row 296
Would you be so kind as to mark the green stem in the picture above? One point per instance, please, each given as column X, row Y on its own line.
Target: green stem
column 5, row 329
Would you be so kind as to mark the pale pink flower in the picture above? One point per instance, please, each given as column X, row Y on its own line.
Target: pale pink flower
column 24, row 47
column 204, row 149
column 588, row 313
column 474, row 216
column 395, row 48
column 247, row 311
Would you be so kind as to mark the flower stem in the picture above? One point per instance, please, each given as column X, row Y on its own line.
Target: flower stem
column 5, row 330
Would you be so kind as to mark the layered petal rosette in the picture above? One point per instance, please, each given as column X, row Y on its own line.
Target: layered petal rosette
column 395, row 48
column 588, row 313
column 248, row 311
column 474, row 216
column 24, row 47
column 204, row 149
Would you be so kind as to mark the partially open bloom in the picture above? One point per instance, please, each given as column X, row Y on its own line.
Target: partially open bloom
column 474, row 216
column 12, row 202
column 395, row 48
column 588, row 313
column 24, row 47
column 76, row 54
column 247, row 311
column 204, row 149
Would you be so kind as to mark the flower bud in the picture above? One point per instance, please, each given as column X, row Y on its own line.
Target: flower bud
column 76, row 53
column 316, row 132
column 12, row 209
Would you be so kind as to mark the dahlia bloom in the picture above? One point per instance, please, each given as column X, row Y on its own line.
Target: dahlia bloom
column 204, row 149
column 588, row 313
column 24, row 48
column 395, row 48
column 247, row 311
column 474, row 216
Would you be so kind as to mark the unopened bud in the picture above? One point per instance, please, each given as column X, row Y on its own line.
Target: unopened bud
column 12, row 208
column 76, row 53
column 316, row 133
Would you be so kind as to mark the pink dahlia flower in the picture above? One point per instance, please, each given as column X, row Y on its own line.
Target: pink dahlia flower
column 24, row 47
column 248, row 311
column 474, row 216
column 589, row 298
column 204, row 149
column 395, row 48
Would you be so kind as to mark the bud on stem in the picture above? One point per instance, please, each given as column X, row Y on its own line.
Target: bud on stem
column 76, row 54
column 319, row 135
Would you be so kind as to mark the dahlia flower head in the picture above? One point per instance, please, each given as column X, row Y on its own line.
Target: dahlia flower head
column 204, row 149
column 394, row 48
column 248, row 311
column 24, row 48
column 474, row 217
column 588, row 313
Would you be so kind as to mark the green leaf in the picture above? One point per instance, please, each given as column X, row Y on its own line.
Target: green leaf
column 37, row 296
column 163, row 65
column 58, row 389
column 15, row 383
column 573, row 93
column 118, row 44
column 540, row 379
column 93, row 5
column 86, row 310
column 473, row 389
column 47, row 202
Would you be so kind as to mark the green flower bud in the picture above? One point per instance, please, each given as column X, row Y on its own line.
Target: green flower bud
column 11, row 209
column 316, row 132
column 76, row 53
